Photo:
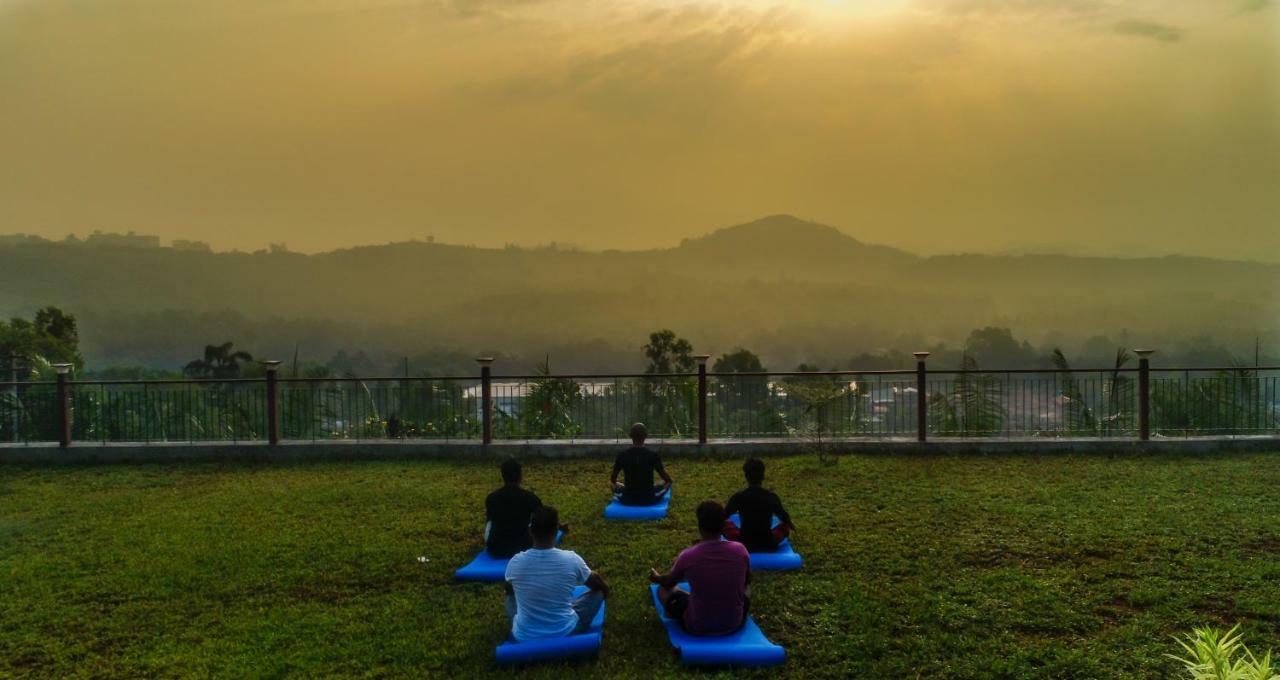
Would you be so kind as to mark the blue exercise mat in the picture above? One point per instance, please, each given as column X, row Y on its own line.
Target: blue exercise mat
column 577, row 645
column 486, row 567
column 782, row 559
column 748, row 647
column 616, row 510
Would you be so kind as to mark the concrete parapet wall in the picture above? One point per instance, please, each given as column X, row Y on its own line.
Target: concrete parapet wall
column 52, row 454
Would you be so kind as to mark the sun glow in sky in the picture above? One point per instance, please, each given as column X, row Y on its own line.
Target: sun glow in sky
column 1098, row 126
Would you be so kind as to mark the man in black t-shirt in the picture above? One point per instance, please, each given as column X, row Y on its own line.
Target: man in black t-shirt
column 508, row 510
column 637, row 465
column 756, row 506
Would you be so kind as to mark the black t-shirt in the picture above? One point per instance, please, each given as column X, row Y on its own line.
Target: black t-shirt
column 756, row 507
column 637, row 465
column 508, row 510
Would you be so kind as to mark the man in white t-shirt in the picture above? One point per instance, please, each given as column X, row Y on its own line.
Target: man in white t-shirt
column 540, row 583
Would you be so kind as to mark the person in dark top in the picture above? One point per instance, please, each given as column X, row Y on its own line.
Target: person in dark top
column 508, row 510
column 637, row 465
column 756, row 507
column 718, row 573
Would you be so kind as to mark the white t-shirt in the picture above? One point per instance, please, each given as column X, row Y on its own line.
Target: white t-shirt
column 544, row 581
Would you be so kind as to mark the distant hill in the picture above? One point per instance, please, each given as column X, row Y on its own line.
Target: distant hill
column 787, row 241
column 779, row 284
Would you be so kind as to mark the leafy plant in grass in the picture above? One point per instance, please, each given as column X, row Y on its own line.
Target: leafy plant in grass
column 816, row 395
column 1213, row 655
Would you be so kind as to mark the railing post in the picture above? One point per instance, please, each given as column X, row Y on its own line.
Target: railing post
column 1144, row 393
column 64, row 405
column 922, row 397
column 273, row 402
column 486, row 398
column 15, row 412
column 702, row 397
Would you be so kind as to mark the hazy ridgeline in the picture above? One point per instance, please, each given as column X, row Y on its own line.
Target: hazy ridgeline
column 791, row 291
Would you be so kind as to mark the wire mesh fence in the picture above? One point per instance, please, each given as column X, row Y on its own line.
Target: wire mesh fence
column 168, row 411
column 380, row 408
column 28, row 413
column 837, row 404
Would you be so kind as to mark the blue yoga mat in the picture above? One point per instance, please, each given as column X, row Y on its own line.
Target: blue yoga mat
column 616, row 510
column 748, row 647
column 581, row 644
column 486, row 567
column 782, row 559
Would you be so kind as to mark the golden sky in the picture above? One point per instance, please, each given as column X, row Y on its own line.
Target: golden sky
column 1099, row 126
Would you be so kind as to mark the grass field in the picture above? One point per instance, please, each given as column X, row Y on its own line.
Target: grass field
column 999, row 566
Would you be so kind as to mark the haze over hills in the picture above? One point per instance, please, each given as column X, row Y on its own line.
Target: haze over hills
column 790, row 289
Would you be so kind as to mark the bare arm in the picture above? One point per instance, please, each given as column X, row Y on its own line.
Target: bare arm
column 613, row 478
column 662, row 472
column 596, row 582
column 667, row 580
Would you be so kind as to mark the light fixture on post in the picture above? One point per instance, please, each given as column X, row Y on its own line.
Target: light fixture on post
column 922, row 401
column 272, row 368
column 64, row 405
column 486, row 398
column 1144, row 393
column 702, row 396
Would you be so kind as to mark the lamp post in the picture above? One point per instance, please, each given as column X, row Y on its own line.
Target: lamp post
column 702, row 396
column 1144, row 393
column 486, row 398
column 15, row 412
column 272, row 367
column 64, row 405
column 922, row 400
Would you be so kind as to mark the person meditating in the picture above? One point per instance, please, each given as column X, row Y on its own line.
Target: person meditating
column 637, row 464
column 718, row 573
column 507, row 511
column 756, row 506
column 540, row 584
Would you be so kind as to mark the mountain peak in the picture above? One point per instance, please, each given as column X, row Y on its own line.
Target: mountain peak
column 782, row 235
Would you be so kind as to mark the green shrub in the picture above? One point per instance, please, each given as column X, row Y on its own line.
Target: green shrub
column 1217, row 656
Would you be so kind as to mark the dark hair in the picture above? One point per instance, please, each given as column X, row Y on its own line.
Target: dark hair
column 511, row 471
column 710, row 517
column 638, row 433
column 753, row 470
column 544, row 522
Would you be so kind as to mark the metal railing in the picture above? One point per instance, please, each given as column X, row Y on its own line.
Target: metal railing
column 1122, row 403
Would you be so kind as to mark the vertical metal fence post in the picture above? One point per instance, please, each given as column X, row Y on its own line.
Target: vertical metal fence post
column 273, row 410
column 702, row 396
column 1144, row 393
column 486, row 398
column 922, row 398
column 15, row 412
column 64, row 405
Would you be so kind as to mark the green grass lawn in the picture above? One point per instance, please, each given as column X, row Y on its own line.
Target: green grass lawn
column 998, row 566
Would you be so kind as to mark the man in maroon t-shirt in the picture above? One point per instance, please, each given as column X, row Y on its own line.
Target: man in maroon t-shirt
column 718, row 573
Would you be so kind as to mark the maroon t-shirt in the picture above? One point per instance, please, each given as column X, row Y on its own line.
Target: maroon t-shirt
column 717, row 575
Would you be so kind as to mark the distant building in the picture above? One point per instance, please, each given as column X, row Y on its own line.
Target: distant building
column 191, row 246
column 100, row 239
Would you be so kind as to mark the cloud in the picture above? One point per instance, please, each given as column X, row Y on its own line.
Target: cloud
column 1013, row 8
column 1149, row 29
column 684, row 65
